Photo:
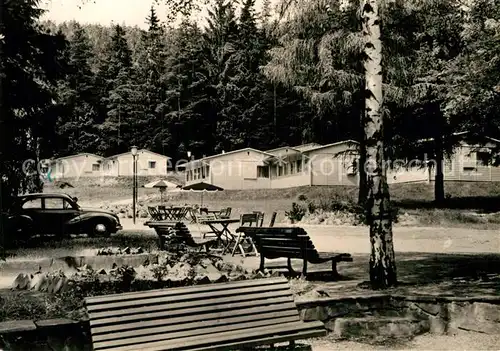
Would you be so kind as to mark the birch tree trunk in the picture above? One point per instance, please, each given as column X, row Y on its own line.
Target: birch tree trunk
column 382, row 260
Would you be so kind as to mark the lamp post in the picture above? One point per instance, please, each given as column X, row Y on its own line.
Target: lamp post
column 134, row 180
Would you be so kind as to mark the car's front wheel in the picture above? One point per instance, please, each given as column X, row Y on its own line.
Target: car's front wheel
column 99, row 228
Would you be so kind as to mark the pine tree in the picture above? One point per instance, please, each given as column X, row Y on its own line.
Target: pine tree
column 30, row 64
column 121, row 97
column 190, row 98
column 79, row 98
column 149, row 76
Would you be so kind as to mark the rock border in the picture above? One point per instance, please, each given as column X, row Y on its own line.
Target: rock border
column 433, row 314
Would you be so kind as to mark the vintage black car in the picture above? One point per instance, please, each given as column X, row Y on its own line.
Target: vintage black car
column 59, row 214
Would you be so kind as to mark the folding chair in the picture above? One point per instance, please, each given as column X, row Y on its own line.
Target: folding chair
column 260, row 218
column 225, row 213
column 246, row 220
column 154, row 213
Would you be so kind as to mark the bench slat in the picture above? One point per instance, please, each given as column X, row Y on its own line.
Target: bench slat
column 223, row 287
column 168, row 327
column 229, row 336
column 309, row 251
column 201, row 298
column 207, row 328
column 281, row 295
column 313, row 333
column 272, row 230
column 153, row 319
column 287, row 243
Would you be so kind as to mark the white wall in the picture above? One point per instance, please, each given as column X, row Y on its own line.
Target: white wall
column 77, row 166
column 289, row 181
column 126, row 163
column 407, row 175
column 328, row 167
column 235, row 171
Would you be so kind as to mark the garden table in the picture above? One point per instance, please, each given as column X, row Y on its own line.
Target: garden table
column 220, row 228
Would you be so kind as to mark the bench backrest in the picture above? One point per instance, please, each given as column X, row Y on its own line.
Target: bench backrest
column 188, row 318
column 274, row 242
column 249, row 219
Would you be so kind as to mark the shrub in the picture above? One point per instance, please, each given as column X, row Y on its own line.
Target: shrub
column 302, row 197
column 296, row 213
column 311, row 207
column 348, row 206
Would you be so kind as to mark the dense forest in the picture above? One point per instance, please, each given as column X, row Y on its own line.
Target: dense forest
column 247, row 78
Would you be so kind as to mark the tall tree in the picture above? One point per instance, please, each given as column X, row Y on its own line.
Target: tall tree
column 382, row 258
column 117, row 76
column 30, row 64
column 79, row 97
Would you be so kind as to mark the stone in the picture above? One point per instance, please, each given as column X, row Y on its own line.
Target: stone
column 376, row 327
column 17, row 326
column 237, row 277
column 223, row 278
column 214, row 277
column 437, row 325
column 202, row 279
column 40, row 282
column 22, row 282
column 487, row 311
column 317, row 313
column 56, row 322
column 210, row 268
column 433, row 309
column 57, row 284
column 479, row 317
column 206, row 262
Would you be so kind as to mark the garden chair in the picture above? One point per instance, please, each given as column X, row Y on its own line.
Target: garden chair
column 154, row 213
column 246, row 220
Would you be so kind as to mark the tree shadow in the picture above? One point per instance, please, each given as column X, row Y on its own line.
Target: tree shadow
column 431, row 273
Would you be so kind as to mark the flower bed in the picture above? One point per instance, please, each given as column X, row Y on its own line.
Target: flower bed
column 36, row 295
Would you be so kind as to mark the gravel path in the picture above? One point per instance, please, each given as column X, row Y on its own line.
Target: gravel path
column 406, row 239
column 464, row 341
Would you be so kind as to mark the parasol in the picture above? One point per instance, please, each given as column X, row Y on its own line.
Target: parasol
column 202, row 187
column 162, row 185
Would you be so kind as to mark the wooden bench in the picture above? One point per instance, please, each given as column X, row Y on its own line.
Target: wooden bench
column 290, row 242
column 223, row 316
column 178, row 232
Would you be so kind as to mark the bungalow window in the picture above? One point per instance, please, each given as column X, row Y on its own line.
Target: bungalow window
column 483, row 158
column 203, row 172
column 152, row 164
column 292, row 168
column 280, row 171
column 95, row 167
column 262, row 172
